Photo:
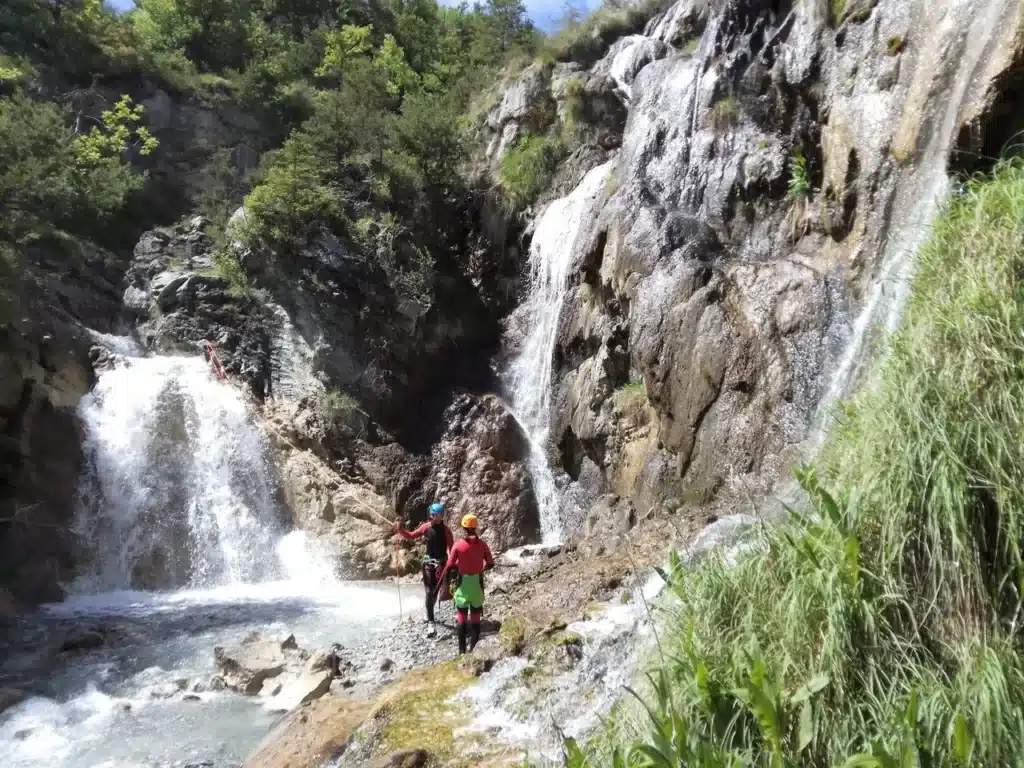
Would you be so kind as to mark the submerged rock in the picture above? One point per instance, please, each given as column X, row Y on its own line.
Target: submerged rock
column 10, row 697
column 87, row 640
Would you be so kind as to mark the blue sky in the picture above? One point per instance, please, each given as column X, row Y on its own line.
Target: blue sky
column 545, row 13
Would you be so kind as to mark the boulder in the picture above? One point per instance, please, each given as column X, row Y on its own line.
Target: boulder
column 314, row 734
column 244, row 668
column 323, row 660
column 479, row 466
column 308, row 687
column 86, row 640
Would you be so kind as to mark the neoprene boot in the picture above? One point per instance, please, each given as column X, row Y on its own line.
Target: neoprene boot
column 474, row 635
column 462, row 638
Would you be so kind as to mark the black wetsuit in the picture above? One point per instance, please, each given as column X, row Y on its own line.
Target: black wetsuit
column 439, row 539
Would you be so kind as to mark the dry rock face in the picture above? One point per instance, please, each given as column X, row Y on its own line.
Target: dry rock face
column 479, row 467
column 178, row 303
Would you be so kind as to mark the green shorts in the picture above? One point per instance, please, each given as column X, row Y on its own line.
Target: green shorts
column 470, row 593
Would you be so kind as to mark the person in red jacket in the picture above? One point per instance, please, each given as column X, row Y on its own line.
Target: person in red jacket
column 439, row 542
column 472, row 557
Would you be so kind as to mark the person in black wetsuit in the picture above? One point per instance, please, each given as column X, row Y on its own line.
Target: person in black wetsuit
column 439, row 540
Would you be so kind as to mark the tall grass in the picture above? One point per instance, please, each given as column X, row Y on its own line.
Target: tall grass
column 881, row 626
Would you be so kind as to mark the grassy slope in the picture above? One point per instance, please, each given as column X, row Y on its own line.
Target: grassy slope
column 885, row 630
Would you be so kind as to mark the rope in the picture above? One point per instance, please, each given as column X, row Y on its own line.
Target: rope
column 218, row 369
column 398, row 575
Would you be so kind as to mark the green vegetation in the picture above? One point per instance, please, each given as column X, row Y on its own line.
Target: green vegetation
column 364, row 100
column 415, row 714
column 62, row 174
column 895, row 45
column 837, row 10
column 635, row 386
column 229, row 268
column 724, row 114
column 334, row 403
column 584, row 38
column 512, row 635
column 528, row 168
column 880, row 627
column 573, row 107
column 799, row 188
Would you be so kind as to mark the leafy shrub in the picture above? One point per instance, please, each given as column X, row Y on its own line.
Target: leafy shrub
column 48, row 172
column 799, row 187
column 528, row 168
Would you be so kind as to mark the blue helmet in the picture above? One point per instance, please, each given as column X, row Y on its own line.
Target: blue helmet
column 436, row 508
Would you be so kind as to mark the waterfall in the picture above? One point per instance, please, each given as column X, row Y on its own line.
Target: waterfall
column 179, row 490
column 552, row 254
column 920, row 197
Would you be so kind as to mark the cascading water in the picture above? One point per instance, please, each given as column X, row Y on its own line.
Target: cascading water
column 179, row 496
column 180, row 490
column 552, row 254
column 976, row 26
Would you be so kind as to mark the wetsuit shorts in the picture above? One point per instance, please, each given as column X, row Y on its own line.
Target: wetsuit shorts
column 470, row 593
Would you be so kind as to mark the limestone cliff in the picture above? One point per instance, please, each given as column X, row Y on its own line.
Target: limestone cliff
column 776, row 169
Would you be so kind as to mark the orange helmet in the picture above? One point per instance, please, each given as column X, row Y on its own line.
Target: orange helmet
column 469, row 521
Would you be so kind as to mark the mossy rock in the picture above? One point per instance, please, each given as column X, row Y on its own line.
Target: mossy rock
column 512, row 635
column 415, row 713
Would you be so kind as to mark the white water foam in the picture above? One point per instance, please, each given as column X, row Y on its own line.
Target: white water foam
column 180, row 490
column 552, row 253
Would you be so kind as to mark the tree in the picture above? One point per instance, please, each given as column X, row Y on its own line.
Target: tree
column 398, row 75
column 342, row 47
column 47, row 171
column 510, row 22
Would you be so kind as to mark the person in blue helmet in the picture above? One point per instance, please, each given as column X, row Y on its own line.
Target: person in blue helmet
column 439, row 541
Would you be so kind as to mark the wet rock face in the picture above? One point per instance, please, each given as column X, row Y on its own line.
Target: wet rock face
column 758, row 182
column 479, row 467
column 45, row 368
column 178, row 301
column 548, row 100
